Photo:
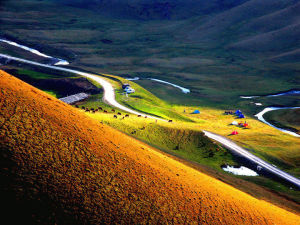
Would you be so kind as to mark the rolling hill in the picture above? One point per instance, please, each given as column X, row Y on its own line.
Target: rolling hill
column 155, row 9
column 255, row 26
column 59, row 166
column 217, row 49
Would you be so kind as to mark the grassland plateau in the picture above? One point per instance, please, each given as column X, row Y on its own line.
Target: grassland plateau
column 219, row 50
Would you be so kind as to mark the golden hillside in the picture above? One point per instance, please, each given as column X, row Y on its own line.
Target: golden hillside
column 59, row 166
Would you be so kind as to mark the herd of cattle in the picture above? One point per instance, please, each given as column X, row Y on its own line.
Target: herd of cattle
column 94, row 110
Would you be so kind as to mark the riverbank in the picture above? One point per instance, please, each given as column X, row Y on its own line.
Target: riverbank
column 260, row 116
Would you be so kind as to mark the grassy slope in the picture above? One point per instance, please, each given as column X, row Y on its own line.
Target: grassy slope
column 282, row 150
column 94, row 173
column 266, row 142
column 185, row 141
column 157, row 49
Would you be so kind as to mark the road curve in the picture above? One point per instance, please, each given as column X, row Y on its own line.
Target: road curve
column 243, row 152
column 109, row 92
column 109, row 98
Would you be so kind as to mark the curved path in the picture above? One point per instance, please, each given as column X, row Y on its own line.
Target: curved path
column 35, row 52
column 243, row 152
column 109, row 92
column 268, row 109
column 109, row 98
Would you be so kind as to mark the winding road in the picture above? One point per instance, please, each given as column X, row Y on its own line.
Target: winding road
column 109, row 98
column 109, row 92
column 243, row 152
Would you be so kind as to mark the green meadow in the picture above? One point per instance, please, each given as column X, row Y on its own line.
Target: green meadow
column 216, row 75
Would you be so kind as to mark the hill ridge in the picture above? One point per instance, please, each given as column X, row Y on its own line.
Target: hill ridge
column 90, row 173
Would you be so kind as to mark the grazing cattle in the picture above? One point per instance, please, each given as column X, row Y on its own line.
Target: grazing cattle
column 83, row 107
column 139, row 116
column 119, row 113
column 87, row 110
column 228, row 112
column 96, row 110
column 113, row 110
column 170, row 121
column 133, row 132
column 126, row 115
column 115, row 116
column 100, row 108
column 92, row 109
column 123, row 118
column 76, row 106
column 105, row 111
column 146, row 117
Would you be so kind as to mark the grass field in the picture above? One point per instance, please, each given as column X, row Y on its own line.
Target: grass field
column 216, row 76
column 89, row 172
column 282, row 150
column 183, row 135
column 158, row 49
column 183, row 139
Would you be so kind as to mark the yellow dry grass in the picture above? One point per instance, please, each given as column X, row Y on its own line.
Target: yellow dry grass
column 99, row 175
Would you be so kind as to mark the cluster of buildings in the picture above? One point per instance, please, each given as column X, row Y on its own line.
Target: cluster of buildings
column 127, row 89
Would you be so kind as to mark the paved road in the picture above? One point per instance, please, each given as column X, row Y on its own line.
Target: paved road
column 109, row 92
column 109, row 98
column 243, row 152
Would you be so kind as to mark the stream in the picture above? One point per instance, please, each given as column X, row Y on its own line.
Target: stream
column 184, row 90
column 268, row 109
column 58, row 62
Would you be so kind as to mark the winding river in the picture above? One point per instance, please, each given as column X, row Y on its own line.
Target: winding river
column 58, row 62
column 183, row 89
column 268, row 109
column 290, row 92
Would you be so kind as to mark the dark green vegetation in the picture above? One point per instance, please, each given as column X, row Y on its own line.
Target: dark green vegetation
column 158, row 9
column 285, row 118
column 220, row 54
column 212, row 54
column 58, row 85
